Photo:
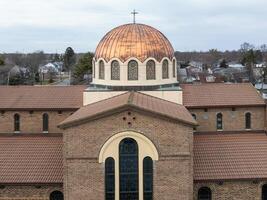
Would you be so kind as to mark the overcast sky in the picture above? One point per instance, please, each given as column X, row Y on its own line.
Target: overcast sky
column 53, row 25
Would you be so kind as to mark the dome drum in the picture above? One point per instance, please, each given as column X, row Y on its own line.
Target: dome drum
column 134, row 73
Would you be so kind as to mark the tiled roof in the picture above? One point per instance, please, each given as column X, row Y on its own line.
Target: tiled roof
column 221, row 156
column 220, row 94
column 41, row 97
column 31, row 159
column 132, row 99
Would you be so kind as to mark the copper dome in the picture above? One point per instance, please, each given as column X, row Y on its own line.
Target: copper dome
column 134, row 40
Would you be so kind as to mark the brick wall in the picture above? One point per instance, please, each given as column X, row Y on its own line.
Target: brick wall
column 234, row 190
column 32, row 123
column 232, row 120
column 28, row 192
column 84, row 176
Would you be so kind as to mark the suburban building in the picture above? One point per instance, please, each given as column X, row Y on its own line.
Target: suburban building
column 134, row 133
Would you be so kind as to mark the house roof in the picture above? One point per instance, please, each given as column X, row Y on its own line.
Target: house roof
column 41, row 97
column 221, row 156
column 135, row 100
column 221, row 95
column 31, row 159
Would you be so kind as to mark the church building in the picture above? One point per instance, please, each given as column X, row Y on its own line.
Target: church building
column 134, row 133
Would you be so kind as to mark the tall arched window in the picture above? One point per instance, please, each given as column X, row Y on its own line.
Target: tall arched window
column 115, row 70
column 150, row 70
column 204, row 193
column 132, row 70
column 110, row 178
column 148, row 178
column 16, row 122
column 45, row 122
column 264, row 192
column 165, row 69
column 128, row 159
column 248, row 120
column 219, row 121
column 56, row 195
column 101, row 69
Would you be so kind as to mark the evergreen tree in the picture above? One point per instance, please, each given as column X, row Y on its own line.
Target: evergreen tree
column 2, row 61
column 69, row 59
column 84, row 66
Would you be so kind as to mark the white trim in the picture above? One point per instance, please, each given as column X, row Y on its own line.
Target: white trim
column 111, row 149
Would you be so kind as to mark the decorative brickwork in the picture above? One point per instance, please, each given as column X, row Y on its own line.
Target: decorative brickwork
column 84, row 176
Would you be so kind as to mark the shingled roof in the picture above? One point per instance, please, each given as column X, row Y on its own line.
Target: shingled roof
column 221, row 95
column 41, row 97
column 222, row 156
column 135, row 100
column 31, row 159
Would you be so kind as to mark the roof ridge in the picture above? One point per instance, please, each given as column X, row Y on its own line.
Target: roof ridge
column 130, row 99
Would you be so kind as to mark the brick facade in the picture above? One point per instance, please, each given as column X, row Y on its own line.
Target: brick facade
column 235, row 190
column 173, row 175
column 232, row 120
column 32, row 122
column 28, row 192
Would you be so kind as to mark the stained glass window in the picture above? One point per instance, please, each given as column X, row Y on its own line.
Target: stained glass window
column 115, row 70
column 148, row 178
column 56, row 195
column 128, row 159
column 45, row 122
column 132, row 70
column 219, row 121
column 150, row 70
column 264, row 192
column 16, row 122
column 173, row 68
column 165, row 69
column 110, row 178
column 101, row 70
column 248, row 120
column 204, row 193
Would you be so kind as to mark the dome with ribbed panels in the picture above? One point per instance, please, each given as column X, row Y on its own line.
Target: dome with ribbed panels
column 134, row 40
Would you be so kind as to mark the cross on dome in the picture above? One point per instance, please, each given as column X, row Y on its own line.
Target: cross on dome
column 134, row 13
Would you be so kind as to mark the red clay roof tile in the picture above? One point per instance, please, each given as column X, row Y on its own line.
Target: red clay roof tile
column 220, row 94
column 135, row 99
column 222, row 156
column 31, row 159
column 41, row 97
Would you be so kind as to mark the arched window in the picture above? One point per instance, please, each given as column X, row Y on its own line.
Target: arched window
column 173, row 69
column 150, row 70
column 128, row 159
column 264, row 192
column 115, row 70
column 110, row 178
column 101, row 69
column 219, row 121
column 248, row 120
column 45, row 122
column 16, row 122
column 56, row 195
column 148, row 178
column 165, row 69
column 132, row 70
column 204, row 193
